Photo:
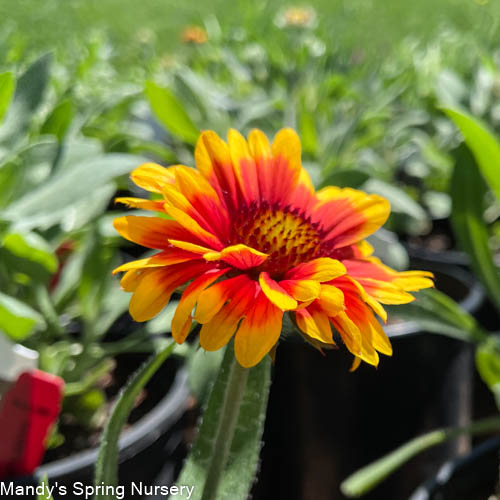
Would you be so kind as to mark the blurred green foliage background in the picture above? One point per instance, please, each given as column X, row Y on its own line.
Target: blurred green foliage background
column 372, row 25
column 91, row 88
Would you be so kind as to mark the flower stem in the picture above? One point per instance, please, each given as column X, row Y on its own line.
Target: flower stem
column 236, row 384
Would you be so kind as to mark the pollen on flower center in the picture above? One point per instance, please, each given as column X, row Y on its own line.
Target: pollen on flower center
column 284, row 234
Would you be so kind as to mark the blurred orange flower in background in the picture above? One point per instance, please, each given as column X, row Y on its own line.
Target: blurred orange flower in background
column 253, row 239
column 194, row 34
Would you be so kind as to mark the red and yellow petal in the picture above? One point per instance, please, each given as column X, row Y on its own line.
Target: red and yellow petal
column 385, row 292
column 155, row 288
column 301, row 290
column 162, row 259
column 190, row 247
column 259, row 331
column 353, row 288
column 219, row 330
column 315, row 324
column 349, row 333
column 278, row 170
column 151, row 232
column 239, row 256
column 211, row 300
column 143, row 204
column 303, row 195
column 331, row 300
column 152, row 177
column 373, row 268
column 244, row 166
column 204, row 200
column 259, row 146
column 213, row 160
column 131, row 279
column 190, row 225
column 321, row 269
column 372, row 333
column 349, row 215
column 182, row 320
column 275, row 293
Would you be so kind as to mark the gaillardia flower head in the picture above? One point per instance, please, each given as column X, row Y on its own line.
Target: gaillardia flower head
column 251, row 238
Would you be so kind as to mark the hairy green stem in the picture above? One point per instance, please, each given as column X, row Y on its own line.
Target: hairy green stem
column 230, row 410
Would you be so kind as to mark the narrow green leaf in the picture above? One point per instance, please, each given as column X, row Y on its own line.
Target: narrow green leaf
column 483, row 144
column 171, row 113
column 308, row 134
column 435, row 312
column 28, row 96
column 468, row 191
column 18, row 320
column 366, row 478
column 107, row 462
column 242, row 463
column 32, row 247
column 7, row 84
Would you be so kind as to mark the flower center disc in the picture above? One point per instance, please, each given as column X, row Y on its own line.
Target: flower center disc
column 286, row 236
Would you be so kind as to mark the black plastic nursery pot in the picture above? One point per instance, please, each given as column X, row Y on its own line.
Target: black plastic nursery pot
column 438, row 247
column 150, row 451
column 471, row 477
column 325, row 422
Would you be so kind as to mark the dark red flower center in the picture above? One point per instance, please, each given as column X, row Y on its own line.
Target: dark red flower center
column 286, row 235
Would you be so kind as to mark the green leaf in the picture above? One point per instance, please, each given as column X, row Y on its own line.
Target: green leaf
column 7, row 84
column 239, row 474
column 435, row 312
column 27, row 98
column 32, row 247
column 49, row 203
column 107, row 462
column 468, row 191
column 308, row 134
column 483, row 144
column 18, row 320
column 488, row 365
column 346, row 178
column 58, row 121
column 171, row 113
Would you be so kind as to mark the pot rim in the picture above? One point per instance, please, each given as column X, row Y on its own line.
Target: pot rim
column 470, row 302
column 141, row 435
